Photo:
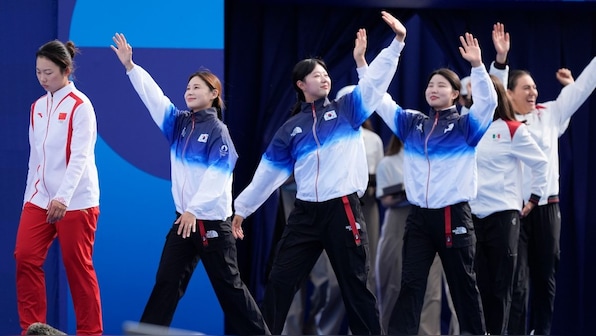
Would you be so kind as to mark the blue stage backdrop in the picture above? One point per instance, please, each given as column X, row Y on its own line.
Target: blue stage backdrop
column 170, row 42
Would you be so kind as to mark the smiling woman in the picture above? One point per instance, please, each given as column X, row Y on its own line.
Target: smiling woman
column 149, row 24
column 539, row 250
column 440, row 220
column 132, row 153
column 321, row 144
column 202, row 159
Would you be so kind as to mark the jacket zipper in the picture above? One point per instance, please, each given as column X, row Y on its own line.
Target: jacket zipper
column 49, row 112
column 314, row 133
column 192, row 128
column 427, row 158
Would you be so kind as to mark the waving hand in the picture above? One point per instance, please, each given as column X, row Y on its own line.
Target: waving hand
column 470, row 50
column 501, row 41
column 398, row 28
column 123, row 50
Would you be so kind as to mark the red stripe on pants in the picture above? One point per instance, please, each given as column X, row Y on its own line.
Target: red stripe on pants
column 351, row 219
column 76, row 233
column 448, row 233
column 203, row 233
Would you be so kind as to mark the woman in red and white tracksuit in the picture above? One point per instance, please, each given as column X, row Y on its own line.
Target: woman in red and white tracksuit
column 496, row 209
column 539, row 249
column 62, row 194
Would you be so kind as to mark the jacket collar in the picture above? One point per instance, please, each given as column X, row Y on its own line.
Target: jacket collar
column 61, row 93
column 448, row 113
column 319, row 104
column 206, row 114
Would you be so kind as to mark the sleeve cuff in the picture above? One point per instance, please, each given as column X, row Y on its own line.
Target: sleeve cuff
column 534, row 199
column 500, row 66
column 397, row 46
column 62, row 200
column 241, row 212
column 361, row 71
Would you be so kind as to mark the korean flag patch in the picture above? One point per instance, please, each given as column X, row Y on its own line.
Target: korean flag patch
column 330, row 115
column 203, row 137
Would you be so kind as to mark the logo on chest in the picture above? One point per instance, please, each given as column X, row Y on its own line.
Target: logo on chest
column 449, row 128
column 419, row 127
column 203, row 137
column 330, row 115
column 62, row 116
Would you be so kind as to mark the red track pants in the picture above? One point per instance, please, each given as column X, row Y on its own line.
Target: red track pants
column 76, row 233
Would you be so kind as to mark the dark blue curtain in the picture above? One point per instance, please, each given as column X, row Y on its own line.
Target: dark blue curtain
column 264, row 41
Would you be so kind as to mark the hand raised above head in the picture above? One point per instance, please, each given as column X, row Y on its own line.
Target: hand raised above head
column 564, row 76
column 123, row 50
column 360, row 48
column 470, row 50
column 501, row 41
column 398, row 28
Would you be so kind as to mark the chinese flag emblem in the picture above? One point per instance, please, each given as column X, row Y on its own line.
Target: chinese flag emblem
column 62, row 116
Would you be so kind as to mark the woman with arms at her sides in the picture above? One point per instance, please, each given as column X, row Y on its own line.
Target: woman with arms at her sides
column 322, row 145
column 62, row 194
column 202, row 159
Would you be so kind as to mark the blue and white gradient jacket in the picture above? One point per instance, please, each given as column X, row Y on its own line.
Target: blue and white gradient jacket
column 202, row 154
column 323, row 144
column 440, row 148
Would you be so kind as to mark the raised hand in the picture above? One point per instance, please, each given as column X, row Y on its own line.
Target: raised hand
column 564, row 76
column 470, row 50
column 123, row 50
column 398, row 28
column 360, row 48
column 501, row 42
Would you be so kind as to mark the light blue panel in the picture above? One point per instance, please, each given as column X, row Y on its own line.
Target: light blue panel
column 136, row 212
column 185, row 24
column 137, row 208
